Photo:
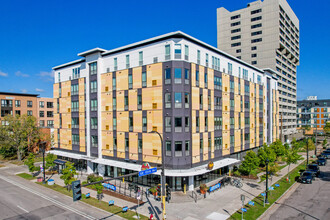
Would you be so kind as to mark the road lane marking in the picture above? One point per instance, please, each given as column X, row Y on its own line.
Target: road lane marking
column 22, row 208
column 48, row 198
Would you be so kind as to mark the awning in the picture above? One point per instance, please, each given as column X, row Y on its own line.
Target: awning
column 59, row 162
column 66, row 154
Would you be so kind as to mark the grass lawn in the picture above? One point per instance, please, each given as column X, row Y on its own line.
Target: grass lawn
column 253, row 212
column 99, row 204
column 26, row 176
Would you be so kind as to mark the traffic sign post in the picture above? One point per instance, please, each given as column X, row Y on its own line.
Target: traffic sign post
column 148, row 171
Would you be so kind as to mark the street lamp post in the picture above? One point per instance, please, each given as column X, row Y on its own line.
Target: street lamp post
column 42, row 146
column 162, row 173
column 316, row 140
column 307, row 154
column 266, row 199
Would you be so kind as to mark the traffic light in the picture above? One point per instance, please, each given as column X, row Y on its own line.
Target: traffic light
column 76, row 190
column 168, row 193
column 159, row 190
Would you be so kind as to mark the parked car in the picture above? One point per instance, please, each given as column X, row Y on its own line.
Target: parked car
column 306, row 177
column 326, row 154
column 321, row 161
column 314, row 168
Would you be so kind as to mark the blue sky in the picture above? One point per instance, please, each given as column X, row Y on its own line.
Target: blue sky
column 37, row 35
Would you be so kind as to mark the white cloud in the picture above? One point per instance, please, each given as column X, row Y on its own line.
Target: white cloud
column 24, row 91
column 39, row 90
column 19, row 73
column 47, row 76
column 3, row 74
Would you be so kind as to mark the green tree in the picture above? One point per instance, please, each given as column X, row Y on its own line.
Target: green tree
column 326, row 128
column 29, row 162
column 20, row 133
column 311, row 145
column 250, row 163
column 68, row 174
column 292, row 157
column 324, row 143
column 306, row 128
column 278, row 148
column 50, row 160
column 99, row 187
column 264, row 153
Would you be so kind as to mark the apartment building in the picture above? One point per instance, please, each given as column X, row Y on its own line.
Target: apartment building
column 29, row 104
column 313, row 113
column 266, row 34
column 208, row 106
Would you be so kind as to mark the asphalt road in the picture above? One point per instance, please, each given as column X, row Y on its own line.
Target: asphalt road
column 21, row 199
column 309, row 201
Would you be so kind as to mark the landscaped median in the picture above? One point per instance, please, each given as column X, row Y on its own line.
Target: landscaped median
column 253, row 212
column 131, row 215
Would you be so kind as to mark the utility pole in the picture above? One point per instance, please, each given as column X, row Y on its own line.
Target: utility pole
column 281, row 127
column 266, row 199
column 316, row 139
column 163, row 180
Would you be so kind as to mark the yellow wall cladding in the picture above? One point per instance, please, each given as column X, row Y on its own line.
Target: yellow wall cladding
column 210, row 81
column 205, row 146
column 56, row 93
column 121, row 144
column 107, row 121
column 151, row 148
column 120, row 100
column 151, row 98
column 132, row 97
column 137, row 121
column 81, row 103
column 195, row 98
column 201, row 76
column 56, row 120
column 122, row 79
column 107, row 143
column 66, row 88
column 106, row 82
column 65, row 139
column 225, row 143
column 154, row 72
column 66, row 121
column 106, row 101
column 192, row 74
column 195, row 147
column 137, row 77
column 155, row 120
column 65, row 105
column 81, row 83
column 122, row 121
column 133, row 146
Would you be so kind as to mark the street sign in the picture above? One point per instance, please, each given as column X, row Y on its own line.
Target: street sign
column 147, row 172
column 109, row 186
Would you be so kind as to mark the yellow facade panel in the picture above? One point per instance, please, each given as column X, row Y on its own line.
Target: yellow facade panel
column 106, row 82
column 122, row 121
column 122, row 79
column 132, row 97
column 133, row 146
column 195, row 148
column 137, row 77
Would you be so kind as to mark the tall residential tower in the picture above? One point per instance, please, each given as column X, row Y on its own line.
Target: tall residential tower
column 266, row 34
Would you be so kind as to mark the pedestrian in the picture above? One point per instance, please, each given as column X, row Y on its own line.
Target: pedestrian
column 151, row 216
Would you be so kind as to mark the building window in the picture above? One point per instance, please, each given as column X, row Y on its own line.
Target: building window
column 41, row 104
column 41, row 114
column 50, row 123
column 50, row 104
column 236, row 44
column 230, row 68
column 139, row 102
column 197, row 78
column 198, row 56
column 42, row 123
column 130, row 81
column 186, row 100
column 29, row 104
column 178, row 100
column 217, row 83
column 168, row 100
column 140, row 58
column 75, row 139
column 254, row 55
column 235, row 23
column 114, row 103
column 130, row 124
column 177, row 75
column 178, row 124
column 256, row 26
column 254, row 62
column 197, row 123
column 50, row 114
column 177, row 51
column 256, row 33
column 168, row 76
column 126, row 102
column 115, row 63
column 235, row 17
column 126, row 144
column 127, row 61
column 206, row 60
column 167, row 52
column 168, row 124
column 168, row 145
column 93, row 123
column 74, row 89
column 186, row 124
column 75, row 106
column 236, row 37
column 94, row 105
column 144, row 124
column 17, row 103
column 256, row 18
column 187, row 148
column 93, row 68
column 238, row 50
column 114, row 83
column 140, row 146
column 186, row 52
column 75, row 122
column 201, row 145
column 186, row 76
column 217, row 123
column 235, row 30
column 76, row 73
column 8, row 112
column 114, row 143
column 17, row 112
column 256, row 11
column 94, row 141
column 93, row 86
column 59, row 76
column 144, row 79
column 178, row 149
column 253, row 48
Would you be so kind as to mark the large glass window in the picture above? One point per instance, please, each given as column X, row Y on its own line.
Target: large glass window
column 140, row 145
column 114, row 83
column 93, row 123
column 130, row 81
column 186, row 76
column 168, row 124
column 186, row 100
column 127, row 62
column 144, row 79
column 41, row 104
column 167, row 52
column 93, row 68
column 17, row 103
column 114, row 103
column 50, row 114
column 94, row 141
column 177, row 51
column 144, row 123
column 29, row 103
column 168, row 76
column 75, row 122
column 94, row 105
column 187, row 148
column 75, row 106
column 178, row 100
column 198, row 57
column 93, row 86
column 186, row 52
column 178, row 148
column 41, row 114
column 168, row 100
column 168, row 148
column 230, row 68
column 141, row 58
column 75, row 139
column 177, row 75
column 115, row 63
column 75, row 89
column 178, row 124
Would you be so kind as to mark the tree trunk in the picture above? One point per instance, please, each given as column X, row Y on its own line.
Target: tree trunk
column 289, row 172
column 19, row 157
